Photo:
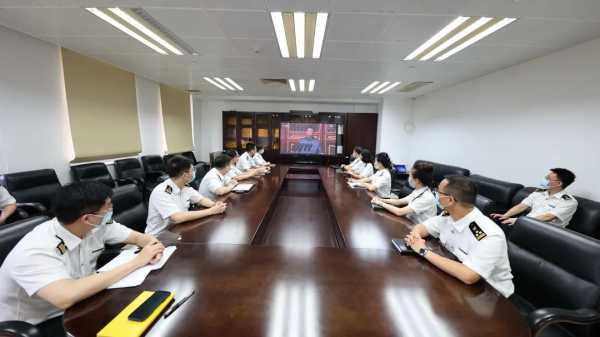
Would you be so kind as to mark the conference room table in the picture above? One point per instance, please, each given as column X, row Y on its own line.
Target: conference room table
column 352, row 285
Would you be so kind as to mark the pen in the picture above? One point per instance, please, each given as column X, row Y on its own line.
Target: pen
column 178, row 304
column 140, row 248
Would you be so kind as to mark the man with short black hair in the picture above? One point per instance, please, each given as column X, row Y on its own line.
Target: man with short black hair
column 8, row 205
column 54, row 266
column 235, row 172
column 245, row 162
column 213, row 184
column 170, row 200
column 477, row 242
column 551, row 203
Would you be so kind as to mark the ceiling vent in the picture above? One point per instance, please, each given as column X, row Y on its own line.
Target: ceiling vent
column 274, row 81
column 414, row 86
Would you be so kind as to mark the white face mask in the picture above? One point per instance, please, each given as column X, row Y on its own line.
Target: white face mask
column 411, row 182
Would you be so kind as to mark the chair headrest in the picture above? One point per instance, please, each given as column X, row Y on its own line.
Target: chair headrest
column 586, row 219
column 30, row 179
column 440, row 171
column 502, row 192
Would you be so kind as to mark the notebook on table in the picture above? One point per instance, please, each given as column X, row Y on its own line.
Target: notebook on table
column 242, row 188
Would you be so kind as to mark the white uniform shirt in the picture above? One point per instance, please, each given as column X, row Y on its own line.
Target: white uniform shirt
column 355, row 162
column 212, row 181
column 382, row 180
column 479, row 244
column 245, row 162
column 259, row 160
column 561, row 205
column 165, row 200
column 422, row 202
column 366, row 170
column 47, row 254
column 233, row 172
column 358, row 166
column 5, row 198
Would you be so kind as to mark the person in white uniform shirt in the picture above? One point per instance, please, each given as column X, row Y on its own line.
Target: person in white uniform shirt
column 213, row 184
column 420, row 204
column 8, row 205
column 551, row 204
column 258, row 159
column 236, row 173
column 170, row 200
column 246, row 162
column 54, row 266
column 355, row 159
column 366, row 168
column 476, row 240
column 381, row 181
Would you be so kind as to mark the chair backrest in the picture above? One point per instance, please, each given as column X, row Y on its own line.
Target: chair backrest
column 212, row 156
column 190, row 155
column 201, row 169
column 522, row 194
column 555, row 267
column 586, row 219
column 93, row 172
column 440, row 171
column 501, row 192
column 12, row 233
column 153, row 163
column 33, row 186
column 129, row 168
column 129, row 208
column 486, row 205
column 169, row 156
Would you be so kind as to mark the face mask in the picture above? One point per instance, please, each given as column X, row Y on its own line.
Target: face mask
column 106, row 219
column 411, row 182
column 193, row 176
column 545, row 184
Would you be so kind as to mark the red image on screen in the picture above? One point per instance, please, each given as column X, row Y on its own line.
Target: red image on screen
column 308, row 138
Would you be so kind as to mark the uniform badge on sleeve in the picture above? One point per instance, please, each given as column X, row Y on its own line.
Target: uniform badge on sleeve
column 478, row 233
column 169, row 189
column 61, row 246
column 566, row 197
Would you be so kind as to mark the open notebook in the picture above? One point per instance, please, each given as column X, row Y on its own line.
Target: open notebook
column 243, row 187
column 138, row 276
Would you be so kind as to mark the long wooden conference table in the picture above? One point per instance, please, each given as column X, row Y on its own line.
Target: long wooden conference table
column 303, row 254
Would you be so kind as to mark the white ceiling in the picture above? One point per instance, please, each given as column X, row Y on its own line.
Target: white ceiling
column 366, row 40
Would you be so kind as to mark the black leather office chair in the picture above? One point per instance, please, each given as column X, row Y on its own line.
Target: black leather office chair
column 129, row 168
column 129, row 208
column 154, row 166
column 557, row 279
column 33, row 190
column 440, row 171
column 10, row 234
column 522, row 194
column 500, row 192
column 201, row 169
column 190, row 155
column 93, row 172
column 486, row 205
column 19, row 329
column 586, row 219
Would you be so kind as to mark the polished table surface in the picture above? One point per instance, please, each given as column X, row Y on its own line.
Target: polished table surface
column 249, row 285
column 276, row 291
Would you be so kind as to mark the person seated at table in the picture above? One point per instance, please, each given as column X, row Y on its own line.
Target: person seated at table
column 213, row 183
column 366, row 169
column 355, row 160
column 550, row 204
column 236, row 173
column 8, row 205
column 246, row 161
column 419, row 205
column 53, row 267
column 170, row 200
column 381, row 181
column 258, row 159
column 476, row 240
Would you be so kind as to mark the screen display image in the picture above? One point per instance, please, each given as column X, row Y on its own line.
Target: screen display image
column 308, row 138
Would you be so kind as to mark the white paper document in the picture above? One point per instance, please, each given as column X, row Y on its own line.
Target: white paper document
column 355, row 185
column 138, row 276
column 242, row 187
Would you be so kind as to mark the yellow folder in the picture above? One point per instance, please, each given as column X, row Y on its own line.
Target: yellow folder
column 121, row 326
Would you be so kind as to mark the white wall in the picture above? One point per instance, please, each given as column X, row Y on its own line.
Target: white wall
column 394, row 130
column 34, row 125
column 208, row 113
column 517, row 123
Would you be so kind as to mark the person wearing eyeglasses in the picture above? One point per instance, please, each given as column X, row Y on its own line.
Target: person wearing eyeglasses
column 419, row 205
column 54, row 266
column 551, row 203
column 477, row 241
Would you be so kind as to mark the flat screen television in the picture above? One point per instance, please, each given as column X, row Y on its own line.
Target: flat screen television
column 308, row 138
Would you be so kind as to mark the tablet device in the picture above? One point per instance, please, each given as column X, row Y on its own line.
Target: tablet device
column 401, row 247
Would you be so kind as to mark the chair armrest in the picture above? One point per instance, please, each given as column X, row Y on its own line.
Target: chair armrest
column 20, row 329
column 541, row 318
column 35, row 206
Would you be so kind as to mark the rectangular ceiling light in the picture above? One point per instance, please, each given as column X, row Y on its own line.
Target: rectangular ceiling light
column 102, row 15
column 454, row 37
column 378, row 87
column 300, row 34
column 301, row 85
column 146, row 30
column 136, row 23
column 227, row 84
column 311, row 85
column 292, row 85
